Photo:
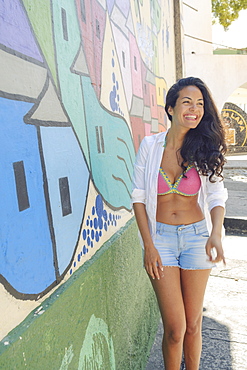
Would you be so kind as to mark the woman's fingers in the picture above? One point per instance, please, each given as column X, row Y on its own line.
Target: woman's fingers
column 219, row 257
column 155, row 270
column 214, row 244
column 153, row 263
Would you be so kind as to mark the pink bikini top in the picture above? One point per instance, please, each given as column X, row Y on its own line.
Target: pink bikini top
column 187, row 186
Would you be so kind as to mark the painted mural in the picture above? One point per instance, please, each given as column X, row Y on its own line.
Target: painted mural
column 81, row 83
column 235, row 120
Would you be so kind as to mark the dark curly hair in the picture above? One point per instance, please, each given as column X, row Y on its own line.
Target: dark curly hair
column 204, row 145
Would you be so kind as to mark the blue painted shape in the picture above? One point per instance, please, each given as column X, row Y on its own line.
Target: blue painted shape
column 111, row 168
column 15, row 31
column 63, row 158
column 99, row 206
column 124, row 6
column 26, row 255
column 110, row 4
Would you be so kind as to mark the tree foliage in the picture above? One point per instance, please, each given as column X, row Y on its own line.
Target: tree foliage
column 227, row 11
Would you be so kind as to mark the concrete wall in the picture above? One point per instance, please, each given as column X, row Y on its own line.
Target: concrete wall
column 102, row 318
column 81, row 83
column 222, row 73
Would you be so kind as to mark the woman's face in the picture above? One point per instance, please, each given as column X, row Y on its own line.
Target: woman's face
column 189, row 108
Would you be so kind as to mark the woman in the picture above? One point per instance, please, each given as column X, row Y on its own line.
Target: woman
column 177, row 185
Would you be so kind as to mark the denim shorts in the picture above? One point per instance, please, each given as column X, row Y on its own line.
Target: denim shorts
column 183, row 245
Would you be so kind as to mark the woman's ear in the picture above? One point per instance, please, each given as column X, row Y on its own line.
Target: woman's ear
column 170, row 110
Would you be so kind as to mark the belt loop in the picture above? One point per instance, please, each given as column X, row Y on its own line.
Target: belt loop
column 196, row 229
column 157, row 226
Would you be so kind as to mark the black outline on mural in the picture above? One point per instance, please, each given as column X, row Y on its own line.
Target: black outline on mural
column 23, row 56
column 48, row 205
column 37, row 43
column 72, row 70
column 37, row 123
column 122, row 159
column 121, row 180
column 142, row 61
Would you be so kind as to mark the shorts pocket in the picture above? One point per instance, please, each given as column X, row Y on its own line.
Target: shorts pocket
column 204, row 232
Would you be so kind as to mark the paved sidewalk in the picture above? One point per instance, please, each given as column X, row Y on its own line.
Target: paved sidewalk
column 225, row 314
column 236, row 182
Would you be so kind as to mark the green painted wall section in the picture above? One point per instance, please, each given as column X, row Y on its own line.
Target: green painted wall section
column 41, row 21
column 70, row 83
column 104, row 317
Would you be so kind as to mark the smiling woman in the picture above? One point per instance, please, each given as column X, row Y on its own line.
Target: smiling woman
column 189, row 108
column 176, row 184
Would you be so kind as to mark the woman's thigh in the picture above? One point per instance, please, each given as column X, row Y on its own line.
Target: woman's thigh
column 170, row 299
column 193, row 286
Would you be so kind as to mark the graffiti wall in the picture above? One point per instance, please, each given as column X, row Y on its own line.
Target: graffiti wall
column 235, row 120
column 81, row 83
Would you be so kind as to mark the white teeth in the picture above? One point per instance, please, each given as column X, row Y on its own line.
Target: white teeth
column 194, row 117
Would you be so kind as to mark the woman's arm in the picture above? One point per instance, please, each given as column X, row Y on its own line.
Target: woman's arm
column 152, row 260
column 215, row 239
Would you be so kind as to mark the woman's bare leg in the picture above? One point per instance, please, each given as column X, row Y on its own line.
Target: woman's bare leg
column 170, row 300
column 193, row 284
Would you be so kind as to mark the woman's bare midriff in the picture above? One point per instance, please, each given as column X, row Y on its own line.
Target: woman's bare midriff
column 174, row 209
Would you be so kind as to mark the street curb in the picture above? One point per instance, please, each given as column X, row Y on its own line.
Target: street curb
column 235, row 167
column 235, row 225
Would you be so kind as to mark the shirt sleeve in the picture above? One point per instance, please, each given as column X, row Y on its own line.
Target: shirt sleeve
column 138, row 185
column 216, row 193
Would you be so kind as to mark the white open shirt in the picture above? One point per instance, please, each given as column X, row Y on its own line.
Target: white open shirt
column 145, row 182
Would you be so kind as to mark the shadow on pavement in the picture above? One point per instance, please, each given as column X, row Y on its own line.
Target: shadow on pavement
column 216, row 346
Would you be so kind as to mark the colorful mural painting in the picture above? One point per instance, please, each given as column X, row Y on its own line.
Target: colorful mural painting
column 81, row 83
column 236, row 127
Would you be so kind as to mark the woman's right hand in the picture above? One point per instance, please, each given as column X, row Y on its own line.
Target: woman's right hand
column 152, row 262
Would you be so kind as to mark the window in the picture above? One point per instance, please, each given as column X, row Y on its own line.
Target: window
column 123, row 57
column 64, row 24
column 65, row 196
column 97, row 29
column 135, row 64
column 21, row 185
column 83, row 11
column 100, row 139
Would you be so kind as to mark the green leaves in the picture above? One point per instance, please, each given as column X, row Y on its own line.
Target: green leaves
column 227, row 11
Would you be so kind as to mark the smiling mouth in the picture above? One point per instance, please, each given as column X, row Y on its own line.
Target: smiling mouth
column 190, row 117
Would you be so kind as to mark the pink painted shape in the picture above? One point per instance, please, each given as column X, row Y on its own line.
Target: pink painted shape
column 136, row 70
column 138, row 131
column 87, row 37
column 145, row 88
column 99, row 22
column 147, row 127
column 153, row 101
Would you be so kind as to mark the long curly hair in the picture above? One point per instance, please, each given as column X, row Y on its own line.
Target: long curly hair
column 204, row 145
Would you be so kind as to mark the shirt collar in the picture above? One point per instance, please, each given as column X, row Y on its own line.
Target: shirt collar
column 161, row 136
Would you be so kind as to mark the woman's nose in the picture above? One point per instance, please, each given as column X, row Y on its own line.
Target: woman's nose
column 193, row 106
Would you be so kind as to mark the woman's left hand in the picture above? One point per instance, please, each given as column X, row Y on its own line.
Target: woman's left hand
column 214, row 242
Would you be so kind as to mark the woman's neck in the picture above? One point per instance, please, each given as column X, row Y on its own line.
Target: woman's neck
column 175, row 138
